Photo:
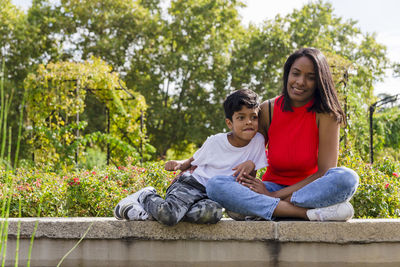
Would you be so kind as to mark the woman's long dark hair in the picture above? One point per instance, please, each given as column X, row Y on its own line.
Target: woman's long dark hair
column 326, row 100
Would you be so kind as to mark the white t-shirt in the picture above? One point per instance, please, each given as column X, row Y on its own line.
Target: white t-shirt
column 217, row 156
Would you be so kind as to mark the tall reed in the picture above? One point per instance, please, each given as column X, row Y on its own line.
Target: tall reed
column 6, row 163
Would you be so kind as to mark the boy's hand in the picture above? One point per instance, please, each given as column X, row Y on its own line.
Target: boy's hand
column 173, row 165
column 245, row 167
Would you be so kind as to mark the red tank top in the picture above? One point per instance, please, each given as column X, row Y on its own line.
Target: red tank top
column 293, row 144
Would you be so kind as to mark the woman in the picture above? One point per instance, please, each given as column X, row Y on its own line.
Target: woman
column 301, row 128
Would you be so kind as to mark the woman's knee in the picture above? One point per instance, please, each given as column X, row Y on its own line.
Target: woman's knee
column 346, row 178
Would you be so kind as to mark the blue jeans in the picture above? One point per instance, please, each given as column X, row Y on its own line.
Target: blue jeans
column 337, row 185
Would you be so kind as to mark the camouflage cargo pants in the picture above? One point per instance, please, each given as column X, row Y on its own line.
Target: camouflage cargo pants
column 186, row 199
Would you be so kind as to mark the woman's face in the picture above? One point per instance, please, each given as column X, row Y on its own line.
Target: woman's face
column 301, row 82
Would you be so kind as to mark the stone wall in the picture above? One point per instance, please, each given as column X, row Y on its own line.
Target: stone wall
column 228, row 243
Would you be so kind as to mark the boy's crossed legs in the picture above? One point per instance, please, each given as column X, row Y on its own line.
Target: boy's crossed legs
column 186, row 200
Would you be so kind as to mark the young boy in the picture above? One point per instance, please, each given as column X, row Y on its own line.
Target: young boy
column 240, row 151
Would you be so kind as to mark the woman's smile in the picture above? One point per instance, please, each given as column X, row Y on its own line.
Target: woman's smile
column 301, row 82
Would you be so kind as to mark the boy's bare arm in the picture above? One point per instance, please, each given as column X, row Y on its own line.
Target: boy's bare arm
column 174, row 165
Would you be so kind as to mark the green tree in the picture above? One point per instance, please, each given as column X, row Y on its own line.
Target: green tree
column 357, row 60
column 109, row 29
column 182, row 71
column 387, row 133
column 258, row 56
column 185, row 57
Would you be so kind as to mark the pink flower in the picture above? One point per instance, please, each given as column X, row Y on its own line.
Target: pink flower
column 396, row 174
column 124, row 190
column 119, row 167
column 386, row 186
column 106, row 177
column 37, row 183
column 94, row 173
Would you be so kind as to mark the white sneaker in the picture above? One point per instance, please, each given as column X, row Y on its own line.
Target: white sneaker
column 135, row 209
column 339, row 212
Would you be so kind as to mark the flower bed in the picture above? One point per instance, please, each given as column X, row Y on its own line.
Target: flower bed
column 94, row 193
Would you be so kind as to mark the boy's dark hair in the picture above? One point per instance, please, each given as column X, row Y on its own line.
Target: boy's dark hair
column 236, row 100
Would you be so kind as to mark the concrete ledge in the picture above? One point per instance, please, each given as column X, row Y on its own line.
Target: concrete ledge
column 110, row 242
column 353, row 231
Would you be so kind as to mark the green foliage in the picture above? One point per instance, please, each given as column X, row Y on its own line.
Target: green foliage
column 181, row 70
column 95, row 157
column 378, row 194
column 96, row 192
column 387, row 130
column 357, row 61
column 111, row 29
column 184, row 57
column 80, row 193
column 56, row 97
column 179, row 153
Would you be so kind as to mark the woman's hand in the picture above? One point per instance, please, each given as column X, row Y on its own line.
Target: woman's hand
column 255, row 185
column 245, row 167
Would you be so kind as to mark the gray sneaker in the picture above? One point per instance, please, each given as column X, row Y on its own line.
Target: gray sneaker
column 135, row 212
column 240, row 217
column 339, row 212
column 129, row 208
column 236, row 216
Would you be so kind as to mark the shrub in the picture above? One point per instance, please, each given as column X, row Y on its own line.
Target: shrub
column 96, row 192
column 83, row 192
column 378, row 194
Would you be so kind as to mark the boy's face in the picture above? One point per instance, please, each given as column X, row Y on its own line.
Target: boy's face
column 244, row 125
